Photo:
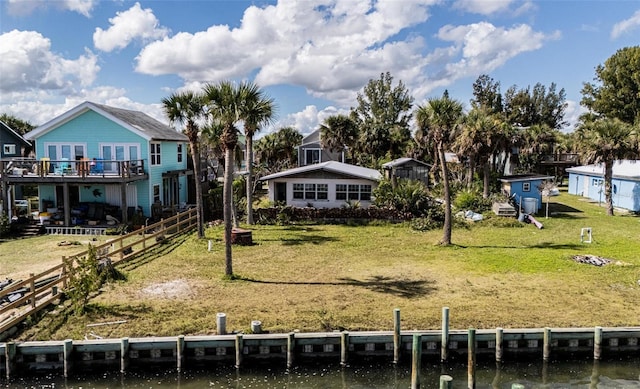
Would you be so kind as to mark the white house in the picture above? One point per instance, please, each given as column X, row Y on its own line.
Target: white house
column 323, row 185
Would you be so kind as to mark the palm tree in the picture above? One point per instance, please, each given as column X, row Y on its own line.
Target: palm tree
column 605, row 141
column 186, row 108
column 475, row 142
column 338, row 132
column 225, row 106
column 438, row 122
column 259, row 110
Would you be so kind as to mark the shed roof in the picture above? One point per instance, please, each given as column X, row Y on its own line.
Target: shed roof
column 331, row 167
column 136, row 121
column 401, row 161
column 525, row 177
column 629, row 169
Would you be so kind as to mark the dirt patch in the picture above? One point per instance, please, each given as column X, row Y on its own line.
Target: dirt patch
column 171, row 289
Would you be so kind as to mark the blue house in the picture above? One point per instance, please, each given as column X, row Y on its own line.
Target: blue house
column 588, row 181
column 12, row 144
column 96, row 160
column 526, row 188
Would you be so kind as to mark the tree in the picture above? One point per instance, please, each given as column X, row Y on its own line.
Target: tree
column 535, row 141
column 187, row 108
column 18, row 125
column 382, row 118
column 476, row 142
column 259, row 110
column 605, row 141
column 338, row 132
column 226, row 106
column 617, row 92
column 438, row 120
column 526, row 107
column 486, row 95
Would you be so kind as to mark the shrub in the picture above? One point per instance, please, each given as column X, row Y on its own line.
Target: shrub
column 471, row 200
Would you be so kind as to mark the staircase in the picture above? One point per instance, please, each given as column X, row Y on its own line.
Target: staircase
column 504, row 209
column 29, row 230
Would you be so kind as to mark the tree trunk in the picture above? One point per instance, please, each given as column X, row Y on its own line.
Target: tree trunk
column 608, row 192
column 446, row 237
column 472, row 170
column 227, row 201
column 249, row 182
column 195, row 157
column 486, row 176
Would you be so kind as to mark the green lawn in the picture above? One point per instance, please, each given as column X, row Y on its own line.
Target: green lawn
column 323, row 278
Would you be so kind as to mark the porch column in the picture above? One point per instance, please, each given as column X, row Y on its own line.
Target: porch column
column 123, row 196
column 66, row 204
column 3, row 196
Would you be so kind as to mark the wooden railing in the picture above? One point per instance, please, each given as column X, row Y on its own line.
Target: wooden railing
column 26, row 297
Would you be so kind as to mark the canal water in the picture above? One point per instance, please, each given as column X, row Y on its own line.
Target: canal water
column 619, row 374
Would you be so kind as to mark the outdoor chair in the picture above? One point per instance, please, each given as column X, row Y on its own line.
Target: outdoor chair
column 63, row 167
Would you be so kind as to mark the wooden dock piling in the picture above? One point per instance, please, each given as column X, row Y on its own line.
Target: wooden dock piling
column 416, row 361
column 397, row 346
column 471, row 358
column 444, row 344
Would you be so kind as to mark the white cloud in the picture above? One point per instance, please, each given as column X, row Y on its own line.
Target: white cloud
column 330, row 47
column 483, row 7
column 28, row 65
column 39, row 110
column 307, row 120
column 626, row 26
column 481, row 48
column 25, row 7
column 572, row 115
column 126, row 26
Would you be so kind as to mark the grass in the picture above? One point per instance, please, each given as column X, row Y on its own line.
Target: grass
column 324, row 278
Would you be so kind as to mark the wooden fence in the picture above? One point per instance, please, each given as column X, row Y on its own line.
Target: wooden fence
column 23, row 298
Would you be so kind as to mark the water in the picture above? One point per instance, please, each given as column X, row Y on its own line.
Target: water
column 619, row 374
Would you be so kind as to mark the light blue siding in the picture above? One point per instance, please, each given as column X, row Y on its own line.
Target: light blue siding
column 626, row 193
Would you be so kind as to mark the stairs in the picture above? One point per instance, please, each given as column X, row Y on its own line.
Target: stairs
column 503, row 209
column 29, row 230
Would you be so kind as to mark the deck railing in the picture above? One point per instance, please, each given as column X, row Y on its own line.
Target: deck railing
column 43, row 167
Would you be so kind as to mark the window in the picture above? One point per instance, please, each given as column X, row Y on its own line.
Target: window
column 155, row 153
column 311, row 156
column 526, row 186
column 310, row 191
column 596, row 182
column 156, row 193
column 179, row 152
column 9, row 149
column 353, row 192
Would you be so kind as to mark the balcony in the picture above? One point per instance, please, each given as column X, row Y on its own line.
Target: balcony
column 45, row 170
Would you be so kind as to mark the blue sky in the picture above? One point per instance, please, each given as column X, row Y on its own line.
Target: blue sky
column 311, row 56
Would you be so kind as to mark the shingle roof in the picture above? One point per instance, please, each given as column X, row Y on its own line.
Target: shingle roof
column 621, row 169
column 136, row 121
column 332, row 167
column 401, row 161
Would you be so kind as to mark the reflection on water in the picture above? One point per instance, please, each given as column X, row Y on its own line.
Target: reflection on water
column 620, row 374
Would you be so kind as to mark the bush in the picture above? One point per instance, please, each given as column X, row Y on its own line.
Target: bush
column 471, row 200
column 409, row 196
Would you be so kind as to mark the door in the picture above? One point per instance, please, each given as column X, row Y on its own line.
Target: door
column 281, row 192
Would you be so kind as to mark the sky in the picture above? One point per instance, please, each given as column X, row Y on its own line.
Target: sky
column 311, row 56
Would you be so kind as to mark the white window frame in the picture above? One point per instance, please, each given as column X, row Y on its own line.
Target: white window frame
column 310, row 191
column 306, row 160
column 59, row 145
column 353, row 192
column 155, row 155
column 526, row 187
column 9, row 149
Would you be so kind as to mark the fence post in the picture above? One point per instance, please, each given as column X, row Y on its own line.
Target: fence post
column 396, row 336
column 471, row 358
column 546, row 344
column 64, row 272
column 32, row 286
column 597, row 343
column 124, row 354
column 239, row 350
column 9, row 357
column 446, row 382
column 444, row 343
column 67, row 349
column 416, row 361
column 344, row 348
column 291, row 349
column 499, row 334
